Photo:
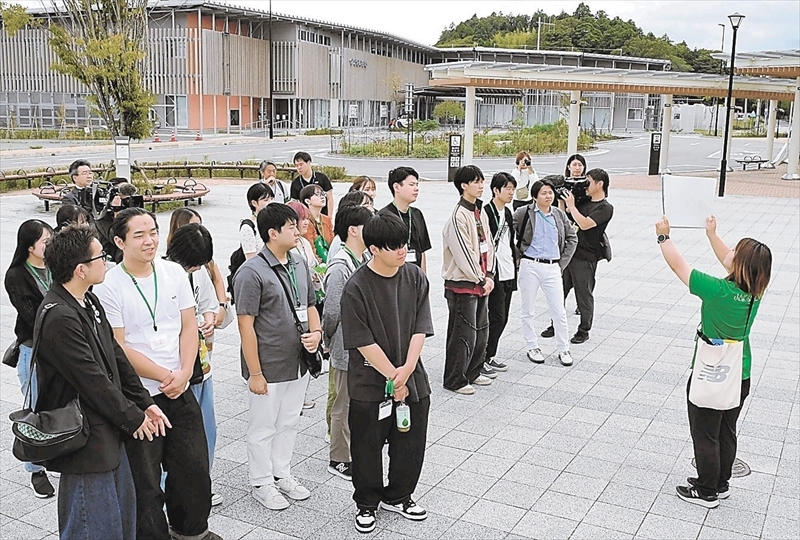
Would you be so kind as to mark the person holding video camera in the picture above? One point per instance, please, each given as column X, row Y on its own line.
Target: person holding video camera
column 119, row 198
column 80, row 173
column 525, row 177
column 591, row 215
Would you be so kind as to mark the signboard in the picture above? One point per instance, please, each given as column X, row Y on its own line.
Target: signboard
column 409, row 99
column 453, row 156
column 122, row 157
column 384, row 111
column 655, row 154
column 687, row 201
column 352, row 111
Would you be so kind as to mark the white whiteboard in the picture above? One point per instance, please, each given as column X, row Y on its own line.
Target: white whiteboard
column 687, row 200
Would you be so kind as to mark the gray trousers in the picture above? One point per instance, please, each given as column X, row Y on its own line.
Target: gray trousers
column 340, row 427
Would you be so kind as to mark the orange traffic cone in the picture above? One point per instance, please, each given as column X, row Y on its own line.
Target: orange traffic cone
column 172, row 137
column 199, row 137
column 156, row 138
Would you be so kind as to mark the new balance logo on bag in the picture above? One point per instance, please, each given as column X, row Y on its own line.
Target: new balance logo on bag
column 714, row 374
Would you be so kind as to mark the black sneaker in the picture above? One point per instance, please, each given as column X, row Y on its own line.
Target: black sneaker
column 365, row 520
column 579, row 337
column 342, row 469
column 407, row 509
column 691, row 495
column 487, row 371
column 495, row 365
column 577, row 311
column 41, row 485
column 549, row 331
column 724, row 493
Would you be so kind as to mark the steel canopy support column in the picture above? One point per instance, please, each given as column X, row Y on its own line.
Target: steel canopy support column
column 792, row 172
column 574, row 115
column 469, row 126
column 666, row 126
column 772, row 118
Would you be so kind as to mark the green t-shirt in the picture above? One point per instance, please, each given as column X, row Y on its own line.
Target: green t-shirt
column 723, row 312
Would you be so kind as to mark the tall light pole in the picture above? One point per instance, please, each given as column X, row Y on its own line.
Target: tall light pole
column 271, row 85
column 721, row 64
column 736, row 20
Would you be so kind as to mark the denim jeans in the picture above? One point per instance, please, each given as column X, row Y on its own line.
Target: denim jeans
column 204, row 392
column 98, row 506
column 24, row 374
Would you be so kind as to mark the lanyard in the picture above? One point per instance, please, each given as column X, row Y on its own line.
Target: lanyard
column 544, row 217
column 389, row 388
column 400, row 215
column 356, row 261
column 292, row 271
column 152, row 309
column 45, row 284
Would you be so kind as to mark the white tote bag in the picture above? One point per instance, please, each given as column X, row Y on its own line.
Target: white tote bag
column 717, row 372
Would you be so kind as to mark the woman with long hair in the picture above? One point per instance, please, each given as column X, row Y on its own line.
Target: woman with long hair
column 27, row 281
column 576, row 166
column 365, row 184
column 729, row 307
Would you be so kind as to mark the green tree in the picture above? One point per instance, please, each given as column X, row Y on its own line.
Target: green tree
column 449, row 110
column 14, row 18
column 101, row 43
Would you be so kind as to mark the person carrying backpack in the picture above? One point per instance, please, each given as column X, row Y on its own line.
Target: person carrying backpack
column 258, row 197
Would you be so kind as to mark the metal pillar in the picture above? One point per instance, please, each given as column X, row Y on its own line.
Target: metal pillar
column 773, row 115
column 574, row 116
column 469, row 126
column 792, row 172
column 666, row 126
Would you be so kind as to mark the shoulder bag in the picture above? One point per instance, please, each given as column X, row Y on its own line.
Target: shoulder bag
column 47, row 435
column 717, row 372
column 11, row 356
column 312, row 360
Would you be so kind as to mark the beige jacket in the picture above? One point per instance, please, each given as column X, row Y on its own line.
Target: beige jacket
column 461, row 265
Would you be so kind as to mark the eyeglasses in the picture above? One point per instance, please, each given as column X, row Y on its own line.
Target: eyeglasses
column 102, row 255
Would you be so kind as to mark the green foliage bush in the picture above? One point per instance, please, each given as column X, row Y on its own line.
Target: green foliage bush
column 52, row 134
column 324, row 131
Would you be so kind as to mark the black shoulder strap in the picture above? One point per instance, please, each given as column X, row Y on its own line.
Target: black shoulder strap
column 747, row 320
column 286, row 293
column 521, row 230
column 247, row 222
column 35, row 351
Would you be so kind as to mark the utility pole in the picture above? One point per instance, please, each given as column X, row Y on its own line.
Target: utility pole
column 271, row 85
column 539, row 32
column 721, row 64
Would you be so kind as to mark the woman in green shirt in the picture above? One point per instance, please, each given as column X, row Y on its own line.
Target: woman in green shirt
column 729, row 307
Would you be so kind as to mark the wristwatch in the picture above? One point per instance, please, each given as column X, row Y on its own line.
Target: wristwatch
column 662, row 238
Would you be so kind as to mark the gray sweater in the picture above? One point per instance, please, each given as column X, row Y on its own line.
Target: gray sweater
column 339, row 270
column 567, row 239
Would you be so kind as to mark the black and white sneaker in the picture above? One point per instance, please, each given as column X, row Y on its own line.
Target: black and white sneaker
column 41, row 485
column 342, row 469
column 487, row 371
column 408, row 509
column 365, row 520
column 724, row 494
column 497, row 366
column 691, row 495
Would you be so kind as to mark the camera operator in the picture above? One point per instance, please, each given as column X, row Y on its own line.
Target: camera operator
column 525, row 177
column 119, row 195
column 80, row 173
column 591, row 216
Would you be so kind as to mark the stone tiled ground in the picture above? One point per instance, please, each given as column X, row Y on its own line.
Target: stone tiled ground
column 591, row 451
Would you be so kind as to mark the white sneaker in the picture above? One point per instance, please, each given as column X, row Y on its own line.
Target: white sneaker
column 216, row 499
column 566, row 358
column 270, row 497
column 292, row 489
column 328, row 438
column 482, row 380
column 466, row 390
column 535, row 355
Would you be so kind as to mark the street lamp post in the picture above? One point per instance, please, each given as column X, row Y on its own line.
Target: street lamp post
column 271, row 78
column 721, row 64
column 736, row 20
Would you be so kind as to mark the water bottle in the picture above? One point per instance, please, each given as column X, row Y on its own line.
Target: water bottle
column 403, row 416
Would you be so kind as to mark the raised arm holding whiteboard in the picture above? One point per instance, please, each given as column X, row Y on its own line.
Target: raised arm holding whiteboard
column 687, row 200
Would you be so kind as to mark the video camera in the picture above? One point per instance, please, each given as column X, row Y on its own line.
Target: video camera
column 103, row 197
column 577, row 186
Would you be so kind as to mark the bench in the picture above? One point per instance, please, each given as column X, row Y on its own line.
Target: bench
column 210, row 167
column 752, row 160
column 190, row 190
column 46, row 175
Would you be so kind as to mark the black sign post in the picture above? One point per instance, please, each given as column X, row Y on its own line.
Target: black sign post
column 655, row 153
column 453, row 156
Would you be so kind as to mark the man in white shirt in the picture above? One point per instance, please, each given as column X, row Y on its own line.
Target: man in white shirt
column 151, row 308
column 268, row 173
column 258, row 197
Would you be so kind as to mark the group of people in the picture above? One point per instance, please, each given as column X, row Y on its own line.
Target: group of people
column 132, row 338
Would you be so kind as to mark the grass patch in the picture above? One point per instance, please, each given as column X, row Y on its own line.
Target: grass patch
column 324, row 131
column 67, row 134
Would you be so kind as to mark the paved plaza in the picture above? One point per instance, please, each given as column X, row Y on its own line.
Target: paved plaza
column 589, row 451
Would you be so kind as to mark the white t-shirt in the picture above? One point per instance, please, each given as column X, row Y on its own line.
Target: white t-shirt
column 280, row 190
column 505, row 259
column 248, row 237
column 125, row 308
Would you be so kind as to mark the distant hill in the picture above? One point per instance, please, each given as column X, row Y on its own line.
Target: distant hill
column 580, row 31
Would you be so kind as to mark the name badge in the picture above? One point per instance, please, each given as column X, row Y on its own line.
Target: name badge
column 385, row 410
column 484, row 247
column 411, row 256
column 302, row 313
column 159, row 342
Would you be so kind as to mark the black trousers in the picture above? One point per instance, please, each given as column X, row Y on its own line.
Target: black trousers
column 183, row 453
column 467, row 334
column 406, row 452
column 579, row 275
column 499, row 308
column 714, row 440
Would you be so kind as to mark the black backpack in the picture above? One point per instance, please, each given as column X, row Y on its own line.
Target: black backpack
column 237, row 259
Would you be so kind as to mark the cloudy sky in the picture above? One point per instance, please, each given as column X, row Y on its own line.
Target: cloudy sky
column 769, row 24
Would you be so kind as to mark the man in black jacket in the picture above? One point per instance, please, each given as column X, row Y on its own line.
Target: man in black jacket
column 78, row 357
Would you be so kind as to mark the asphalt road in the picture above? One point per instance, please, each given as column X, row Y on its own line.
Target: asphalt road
column 626, row 156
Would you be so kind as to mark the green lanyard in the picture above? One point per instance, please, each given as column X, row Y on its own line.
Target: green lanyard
column 292, row 271
column 45, row 284
column 389, row 388
column 400, row 215
column 544, row 217
column 356, row 261
column 152, row 309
